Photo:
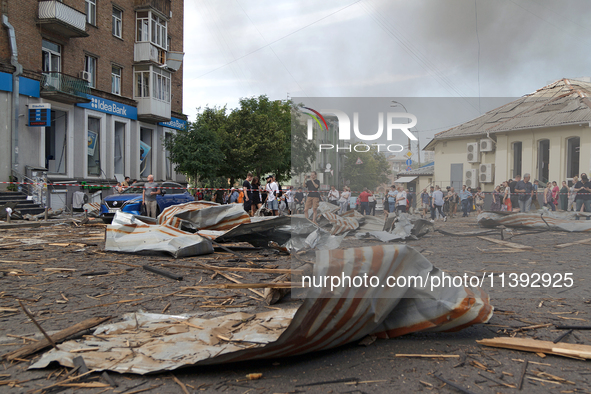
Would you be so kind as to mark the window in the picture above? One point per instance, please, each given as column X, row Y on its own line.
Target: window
column 55, row 143
column 517, row 158
column 117, row 22
column 160, row 80
column 116, row 80
column 119, row 154
column 90, row 68
column 167, row 161
column 573, row 146
column 94, row 147
column 142, row 26
column 543, row 160
column 168, row 44
column 145, row 151
column 91, row 12
column 51, row 57
column 151, row 28
column 142, row 83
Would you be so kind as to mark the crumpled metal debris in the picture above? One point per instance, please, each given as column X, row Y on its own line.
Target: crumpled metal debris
column 328, row 318
column 403, row 229
column 93, row 209
column 341, row 224
column 50, row 214
column 542, row 219
column 128, row 233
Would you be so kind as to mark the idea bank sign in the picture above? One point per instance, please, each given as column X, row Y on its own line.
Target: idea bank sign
column 392, row 126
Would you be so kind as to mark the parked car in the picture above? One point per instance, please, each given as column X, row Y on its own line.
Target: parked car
column 130, row 200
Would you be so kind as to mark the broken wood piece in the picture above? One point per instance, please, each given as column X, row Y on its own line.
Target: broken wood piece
column 454, row 385
column 181, row 384
column 108, row 379
column 30, row 316
column 497, row 381
column 536, row 346
column 85, row 385
column 237, row 269
column 582, row 241
column 162, row 272
column 83, row 350
column 506, row 243
column 429, row 355
column 573, row 327
column 562, row 336
column 57, row 337
column 520, row 384
column 266, row 285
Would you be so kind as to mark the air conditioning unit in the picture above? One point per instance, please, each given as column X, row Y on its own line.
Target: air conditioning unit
column 487, row 173
column 473, row 153
column 471, row 178
column 85, row 75
column 487, row 145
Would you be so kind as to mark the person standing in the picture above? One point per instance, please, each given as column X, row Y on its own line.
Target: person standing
column 534, row 196
column 151, row 190
column 313, row 198
column 583, row 199
column 548, row 199
column 401, row 200
column 564, row 197
column 524, row 190
column 496, row 199
column 364, row 201
column 572, row 195
column 425, row 203
column 299, row 198
column 247, row 190
column 391, row 197
column 255, row 204
column 272, row 190
column 372, row 203
column 514, row 197
column 333, row 196
column 438, row 204
column 290, row 200
column 479, row 200
column 452, row 198
column 464, row 200
column 344, row 200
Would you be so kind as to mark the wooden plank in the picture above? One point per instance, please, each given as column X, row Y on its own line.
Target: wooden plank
column 582, row 241
column 57, row 337
column 203, row 266
column 238, row 285
column 506, row 243
column 536, row 346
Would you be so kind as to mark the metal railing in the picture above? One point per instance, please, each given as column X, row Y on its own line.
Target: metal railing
column 63, row 83
column 54, row 9
column 161, row 5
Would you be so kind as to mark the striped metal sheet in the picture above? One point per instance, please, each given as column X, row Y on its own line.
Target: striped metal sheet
column 326, row 319
column 541, row 219
column 340, row 224
column 204, row 215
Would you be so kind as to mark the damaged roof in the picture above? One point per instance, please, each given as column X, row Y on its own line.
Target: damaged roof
column 560, row 103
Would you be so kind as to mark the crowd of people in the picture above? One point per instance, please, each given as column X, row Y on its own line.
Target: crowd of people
column 518, row 195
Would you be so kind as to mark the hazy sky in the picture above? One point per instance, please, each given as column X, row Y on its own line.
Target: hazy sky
column 380, row 48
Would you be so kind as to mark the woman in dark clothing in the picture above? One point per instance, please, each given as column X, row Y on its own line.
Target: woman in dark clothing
column 497, row 196
column 256, row 196
column 564, row 197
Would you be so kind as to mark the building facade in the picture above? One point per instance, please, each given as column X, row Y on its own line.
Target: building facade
column 546, row 134
column 90, row 89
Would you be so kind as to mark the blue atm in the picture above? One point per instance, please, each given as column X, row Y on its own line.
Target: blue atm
column 39, row 115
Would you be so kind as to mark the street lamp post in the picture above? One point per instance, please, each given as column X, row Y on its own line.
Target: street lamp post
column 396, row 103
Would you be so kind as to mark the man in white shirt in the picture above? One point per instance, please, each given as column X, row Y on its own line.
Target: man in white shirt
column 333, row 196
column 289, row 198
column 272, row 190
column 438, row 204
column 401, row 200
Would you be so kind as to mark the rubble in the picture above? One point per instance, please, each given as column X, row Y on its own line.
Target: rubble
column 325, row 319
column 542, row 219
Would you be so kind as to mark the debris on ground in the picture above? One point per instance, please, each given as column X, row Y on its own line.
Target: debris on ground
column 542, row 219
column 327, row 318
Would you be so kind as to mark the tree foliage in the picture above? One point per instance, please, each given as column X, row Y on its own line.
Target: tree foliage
column 255, row 137
column 373, row 171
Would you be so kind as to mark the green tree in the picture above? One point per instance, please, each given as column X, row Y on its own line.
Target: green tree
column 196, row 152
column 371, row 173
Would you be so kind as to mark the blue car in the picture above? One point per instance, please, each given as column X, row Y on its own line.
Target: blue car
column 130, row 201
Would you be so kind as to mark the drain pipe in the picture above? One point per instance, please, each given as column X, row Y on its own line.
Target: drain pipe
column 15, row 91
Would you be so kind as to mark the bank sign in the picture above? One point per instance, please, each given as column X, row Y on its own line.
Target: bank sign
column 174, row 123
column 110, row 107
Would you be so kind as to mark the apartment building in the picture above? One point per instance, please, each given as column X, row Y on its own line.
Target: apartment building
column 90, row 89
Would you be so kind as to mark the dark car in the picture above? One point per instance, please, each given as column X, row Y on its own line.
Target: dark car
column 130, row 200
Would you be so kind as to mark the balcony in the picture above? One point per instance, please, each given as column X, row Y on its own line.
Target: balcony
column 61, row 19
column 64, row 88
column 163, row 6
column 148, row 52
column 152, row 110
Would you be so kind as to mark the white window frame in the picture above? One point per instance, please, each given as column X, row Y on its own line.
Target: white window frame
column 69, row 110
column 90, row 64
column 52, row 53
column 117, row 28
column 116, row 80
column 127, row 159
column 91, row 12
column 102, row 141
column 151, row 27
column 152, row 82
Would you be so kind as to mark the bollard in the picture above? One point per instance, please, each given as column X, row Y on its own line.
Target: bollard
column 8, row 213
column 86, row 213
column 46, row 214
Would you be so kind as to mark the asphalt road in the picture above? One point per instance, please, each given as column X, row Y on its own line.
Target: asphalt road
column 44, row 267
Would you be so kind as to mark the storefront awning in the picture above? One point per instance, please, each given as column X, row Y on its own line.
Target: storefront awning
column 405, row 179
